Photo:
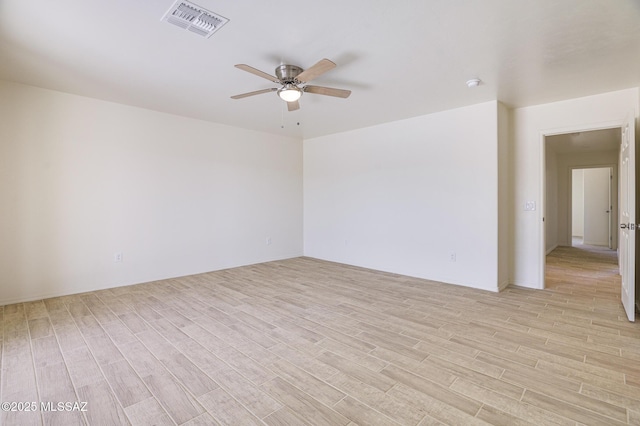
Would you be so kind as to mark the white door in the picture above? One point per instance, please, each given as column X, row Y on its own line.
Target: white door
column 597, row 199
column 628, row 216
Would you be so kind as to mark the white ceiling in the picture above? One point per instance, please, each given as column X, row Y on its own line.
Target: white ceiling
column 401, row 58
column 595, row 140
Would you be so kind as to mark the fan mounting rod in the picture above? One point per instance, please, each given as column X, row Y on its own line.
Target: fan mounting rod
column 288, row 73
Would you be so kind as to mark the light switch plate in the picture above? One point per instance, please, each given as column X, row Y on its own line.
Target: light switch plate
column 529, row 206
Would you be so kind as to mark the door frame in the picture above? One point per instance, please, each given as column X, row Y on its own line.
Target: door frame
column 613, row 224
column 542, row 253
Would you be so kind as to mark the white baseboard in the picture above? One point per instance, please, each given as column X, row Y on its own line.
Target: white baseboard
column 552, row 248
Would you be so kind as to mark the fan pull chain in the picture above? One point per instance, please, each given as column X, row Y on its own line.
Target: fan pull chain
column 282, row 117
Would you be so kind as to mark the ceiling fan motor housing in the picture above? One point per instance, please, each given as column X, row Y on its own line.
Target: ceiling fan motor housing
column 288, row 73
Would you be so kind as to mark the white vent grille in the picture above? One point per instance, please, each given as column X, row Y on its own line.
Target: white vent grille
column 192, row 17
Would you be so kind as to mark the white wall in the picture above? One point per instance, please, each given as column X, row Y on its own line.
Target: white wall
column 403, row 196
column 82, row 179
column 577, row 203
column 530, row 124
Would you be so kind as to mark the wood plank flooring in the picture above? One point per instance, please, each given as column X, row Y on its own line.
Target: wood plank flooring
column 304, row 341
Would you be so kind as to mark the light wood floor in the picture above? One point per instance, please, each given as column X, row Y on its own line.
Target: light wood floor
column 304, row 341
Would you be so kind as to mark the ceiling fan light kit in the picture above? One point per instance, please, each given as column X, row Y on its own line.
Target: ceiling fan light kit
column 292, row 79
column 289, row 93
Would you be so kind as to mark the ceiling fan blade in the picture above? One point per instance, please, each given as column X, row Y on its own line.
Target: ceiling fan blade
column 315, row 71
column 327, row 91
column 257, row 92
column 257, row 72
column 292, row 106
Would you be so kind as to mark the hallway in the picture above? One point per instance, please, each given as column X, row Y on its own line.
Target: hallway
column 587, row 272
column 590, row 274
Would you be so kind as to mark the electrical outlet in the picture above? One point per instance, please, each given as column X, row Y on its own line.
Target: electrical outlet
column 268, row 241
column 117, row 257
column 529, row 206
column 452, row 256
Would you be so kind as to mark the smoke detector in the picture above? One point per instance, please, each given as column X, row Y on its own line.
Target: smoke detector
column 474, row 82
column 194, row 18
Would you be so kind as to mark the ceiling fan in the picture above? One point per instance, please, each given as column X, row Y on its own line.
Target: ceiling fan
column 293, row 81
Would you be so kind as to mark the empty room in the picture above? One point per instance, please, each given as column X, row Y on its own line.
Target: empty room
column 340, row 213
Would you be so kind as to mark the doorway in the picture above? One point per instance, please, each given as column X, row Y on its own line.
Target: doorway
column 580, row 150
column 591, row 214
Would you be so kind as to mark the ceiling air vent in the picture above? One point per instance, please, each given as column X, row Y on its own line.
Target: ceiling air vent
column 193, row 18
